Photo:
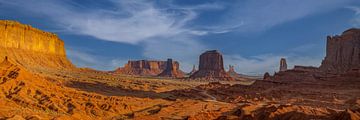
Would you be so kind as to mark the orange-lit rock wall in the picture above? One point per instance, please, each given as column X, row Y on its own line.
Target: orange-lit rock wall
column 32, row 47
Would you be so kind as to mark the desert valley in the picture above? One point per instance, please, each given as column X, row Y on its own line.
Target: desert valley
column 37, row 81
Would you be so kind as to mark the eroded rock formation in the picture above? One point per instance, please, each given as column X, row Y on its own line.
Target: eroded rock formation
column 193, row 70
column 32, row 47
column 342, row 52
column 211, row 67
column 145, row 67
column 171, row 70
column 267, row 76
column 283, row 64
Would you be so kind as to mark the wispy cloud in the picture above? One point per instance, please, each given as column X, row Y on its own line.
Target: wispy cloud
column 84, row 58
column 356, row 20
column 128, row 21
column 264, row 14
column 181, row 48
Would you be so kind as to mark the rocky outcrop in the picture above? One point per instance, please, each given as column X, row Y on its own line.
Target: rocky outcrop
column 283, row 65
column 193, row 70
column 32, row 47
column 342, row 52
column 171, row 70
column 267, row 76
column 211, row 67
column 145, row 68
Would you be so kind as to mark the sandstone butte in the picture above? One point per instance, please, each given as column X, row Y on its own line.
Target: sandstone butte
column 145, row 67
column 31, row 47
column 211, row 67
column 342, row 58
column 171, row 70
column 342, row 52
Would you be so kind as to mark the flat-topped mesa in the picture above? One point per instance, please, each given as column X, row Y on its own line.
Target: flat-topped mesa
column 171, row 70
column 283, row 65
column 144, row 67
column 211, row 67
column 32, row 47
column 342, row 52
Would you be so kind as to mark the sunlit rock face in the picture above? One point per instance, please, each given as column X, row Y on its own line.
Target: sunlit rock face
column 32, row 47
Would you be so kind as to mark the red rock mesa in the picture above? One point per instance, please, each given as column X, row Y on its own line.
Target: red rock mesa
column 144, row 67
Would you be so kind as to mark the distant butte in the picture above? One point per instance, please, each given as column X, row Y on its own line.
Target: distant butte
column 342, row 59
column 211, row 67
column 171, row 70
column 146, row 68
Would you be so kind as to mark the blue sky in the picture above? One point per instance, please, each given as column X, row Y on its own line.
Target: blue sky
column 252, row 34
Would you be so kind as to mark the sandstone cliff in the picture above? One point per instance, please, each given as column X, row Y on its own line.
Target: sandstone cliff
column 342, row 52
column 144, row 68
column 32, row 47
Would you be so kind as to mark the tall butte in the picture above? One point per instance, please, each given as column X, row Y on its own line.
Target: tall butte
column 283, row 64
column 342, row 52
column 31, row 47
column 211, row 67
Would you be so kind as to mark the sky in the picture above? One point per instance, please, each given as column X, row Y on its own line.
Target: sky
column 252, row 35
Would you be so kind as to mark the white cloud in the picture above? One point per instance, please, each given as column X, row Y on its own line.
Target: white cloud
column 259, row 15
column 356, row 20
column 130, row 22
column 84, row 58
column 184, row 49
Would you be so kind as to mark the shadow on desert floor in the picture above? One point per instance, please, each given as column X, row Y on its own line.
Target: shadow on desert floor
column 105, row 89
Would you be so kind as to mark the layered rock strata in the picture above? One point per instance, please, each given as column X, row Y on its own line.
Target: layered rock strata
column 32, row 47
column 342, row 52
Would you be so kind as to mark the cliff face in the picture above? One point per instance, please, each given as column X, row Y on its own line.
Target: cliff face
column 144, row 67
column 32, row 47
column 342, row 52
